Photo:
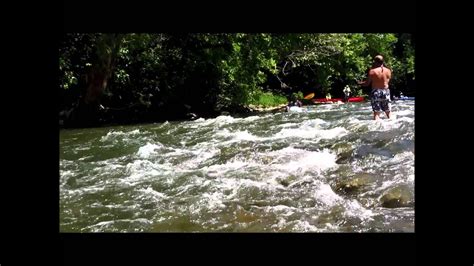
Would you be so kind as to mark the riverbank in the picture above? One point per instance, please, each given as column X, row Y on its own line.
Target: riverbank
column 259, row 109
column 148, row 118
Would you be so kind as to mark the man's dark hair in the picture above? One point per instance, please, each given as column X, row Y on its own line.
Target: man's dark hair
column 378, row 59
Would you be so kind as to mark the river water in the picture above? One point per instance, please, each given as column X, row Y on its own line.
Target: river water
column 329, row 168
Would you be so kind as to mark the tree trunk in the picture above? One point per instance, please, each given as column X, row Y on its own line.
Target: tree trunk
column 96, row 79
column 108, row 46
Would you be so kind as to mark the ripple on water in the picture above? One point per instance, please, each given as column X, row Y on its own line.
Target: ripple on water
column 278, row 172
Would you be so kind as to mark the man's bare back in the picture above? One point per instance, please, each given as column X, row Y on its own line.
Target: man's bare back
column 380, row 77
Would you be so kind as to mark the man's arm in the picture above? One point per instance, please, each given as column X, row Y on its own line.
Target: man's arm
column 367, row 82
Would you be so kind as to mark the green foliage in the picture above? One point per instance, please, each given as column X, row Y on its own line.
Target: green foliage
column 359, row 93
column 297, row 95
column 266, row 99
column 200, row 72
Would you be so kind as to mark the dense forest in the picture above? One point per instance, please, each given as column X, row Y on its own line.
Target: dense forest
column 135, row 78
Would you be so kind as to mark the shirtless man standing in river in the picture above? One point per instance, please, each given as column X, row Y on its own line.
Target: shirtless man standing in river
column 379, row 76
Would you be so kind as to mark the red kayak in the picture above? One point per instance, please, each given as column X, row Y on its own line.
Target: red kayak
column 335, row 100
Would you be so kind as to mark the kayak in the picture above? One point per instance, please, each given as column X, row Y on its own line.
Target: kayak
column 335, row 100
column 356, row 99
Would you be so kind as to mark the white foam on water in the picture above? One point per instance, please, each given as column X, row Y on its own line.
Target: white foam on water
column 404, row 160
column 251, row 118
column 328, row 227
column 231, row 165
column 295, row 109
column 286, row 125
column 224, row 133
column 148, row 149
column 98, row 226
column 325, row 195
column 222, row 190
column 86, row 190
column 114, row 134
column 201, row 122
column 184, row 189
column 304, row 226
column 386, row 184
column 312, row 131
column 139, row 166
column 142, row 170
column 211, row 202
column 383, row 124
column 236, row 136
column 243, row 135
column 332, row 133
column 404, row 156
column 109, row 167
column 296, row 132
column 293, row 160
column 221, row 120
column 354, row 121
column 312, row 123
column 150, row 192
column 406, row 119
column 280, row 224
column 284, row 210
column 85, row 158
column 108, row 225
column 136, row 178
column 354, row 209
column 338, row 106
column 404, row 113
column 231, row 187
column 354, row 124
column 66, row 163
column 65, row 175
column 200, row 156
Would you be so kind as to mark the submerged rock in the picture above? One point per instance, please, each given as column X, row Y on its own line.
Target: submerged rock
column 355, row 183
column 344, row 152
column 286, row 181
column 396, row 197
column 332, row 216
column 244, row 216
column 342, row 147
column 344, row 157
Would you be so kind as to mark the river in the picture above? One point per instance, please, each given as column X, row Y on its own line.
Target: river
column 330, row 168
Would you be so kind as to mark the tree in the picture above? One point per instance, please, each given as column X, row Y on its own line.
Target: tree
column 149, row 77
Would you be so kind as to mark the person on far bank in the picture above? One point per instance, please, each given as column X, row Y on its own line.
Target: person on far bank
column 379, row 77
column 347, row 93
